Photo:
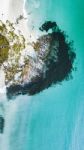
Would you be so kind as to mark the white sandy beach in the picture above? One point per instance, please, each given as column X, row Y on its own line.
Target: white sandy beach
column 17, row 8
column 11, row 10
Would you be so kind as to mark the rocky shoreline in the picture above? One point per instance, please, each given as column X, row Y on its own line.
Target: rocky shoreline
column 30, row 68
column 53, row 64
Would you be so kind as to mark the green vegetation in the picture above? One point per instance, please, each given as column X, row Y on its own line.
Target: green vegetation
column 9, row 38
column 4, row 49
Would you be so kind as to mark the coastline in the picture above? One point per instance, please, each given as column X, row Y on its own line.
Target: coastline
column 10, row 10
column 17, row 8
column 7, row 12
column 11, row 13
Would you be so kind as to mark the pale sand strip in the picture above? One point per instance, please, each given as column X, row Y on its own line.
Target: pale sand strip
column 11, row 10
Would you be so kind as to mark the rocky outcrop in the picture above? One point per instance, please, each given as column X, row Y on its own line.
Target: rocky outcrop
column 51, row 61
column 48, row 25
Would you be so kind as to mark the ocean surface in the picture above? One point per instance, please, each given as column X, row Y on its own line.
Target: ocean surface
column 53, row 119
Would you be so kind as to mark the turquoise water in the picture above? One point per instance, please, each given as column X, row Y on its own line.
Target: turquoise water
column 53, row 119
column 57, row 121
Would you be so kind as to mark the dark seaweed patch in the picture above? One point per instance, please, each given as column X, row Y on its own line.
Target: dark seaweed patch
column 1, row 124
column 48, row 25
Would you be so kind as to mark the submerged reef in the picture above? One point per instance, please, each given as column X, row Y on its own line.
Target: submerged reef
column 48, row 25
column 51, row 61
column 1, row 124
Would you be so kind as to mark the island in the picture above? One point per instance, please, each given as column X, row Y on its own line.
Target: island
column 51, row 61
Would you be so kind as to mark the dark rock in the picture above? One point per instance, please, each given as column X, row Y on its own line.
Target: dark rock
column 48, row 25
column 1, row 124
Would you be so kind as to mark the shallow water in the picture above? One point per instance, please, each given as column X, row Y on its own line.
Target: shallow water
column 53, row 119
column 57, row 113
